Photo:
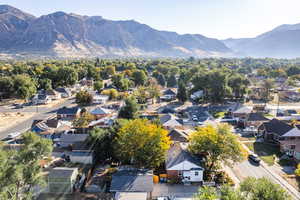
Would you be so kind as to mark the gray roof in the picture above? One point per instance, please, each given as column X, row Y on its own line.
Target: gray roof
column 132, row 181
column 68, row 111
column 177, row 154
column 73, row 137
column 62, row 172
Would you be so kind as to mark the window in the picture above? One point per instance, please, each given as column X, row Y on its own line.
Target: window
column 293, row 146
column 196, row 173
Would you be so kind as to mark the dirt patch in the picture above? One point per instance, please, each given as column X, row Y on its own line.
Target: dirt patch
column 8, row 120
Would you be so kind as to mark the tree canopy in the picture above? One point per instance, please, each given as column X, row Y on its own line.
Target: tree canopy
column 141, row 143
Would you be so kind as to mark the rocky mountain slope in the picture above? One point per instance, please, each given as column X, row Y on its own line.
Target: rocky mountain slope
column 69, row 35
column 281, row 42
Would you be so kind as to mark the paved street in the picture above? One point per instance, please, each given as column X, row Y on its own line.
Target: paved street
column 42, row 112
column 246, row 169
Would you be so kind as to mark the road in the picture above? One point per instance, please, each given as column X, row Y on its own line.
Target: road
column 41, row 113
column 246, row 169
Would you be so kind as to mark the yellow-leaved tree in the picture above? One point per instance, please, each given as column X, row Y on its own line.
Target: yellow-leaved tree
column 142, row 143
column 217, row 144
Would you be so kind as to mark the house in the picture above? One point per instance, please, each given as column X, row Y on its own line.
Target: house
column 54, row 95
column 87, row 82
column 179, row 135
column 103, row 122
column 70, row 139
column 181, row 164
column 197, row 95
column 169, row 121
column 41, row 99
column 62, row 180
column 255, row 119
column 46, row 128
column 100, row 99
column 242, row 112
column 169, row 94
column 64, row 92
column 100, row 112
column 273, row 130
column 130, row 184
column 66, row 113
column 290, row 143
column 81, row 156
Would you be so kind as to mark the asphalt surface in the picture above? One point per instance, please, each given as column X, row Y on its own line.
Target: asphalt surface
column 248, row 169
column 41, row 113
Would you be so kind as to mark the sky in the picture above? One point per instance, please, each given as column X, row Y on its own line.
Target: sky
column 213, row 18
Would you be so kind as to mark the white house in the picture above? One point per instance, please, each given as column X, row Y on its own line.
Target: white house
column 182, row 164
column 100, row 99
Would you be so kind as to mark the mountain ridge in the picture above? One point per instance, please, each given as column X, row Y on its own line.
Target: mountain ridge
column 60, row 34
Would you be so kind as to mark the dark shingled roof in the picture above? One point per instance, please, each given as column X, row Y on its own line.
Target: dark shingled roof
column 132, row 181
column 276, row 126
column 68, row 111
column 177, row 154
column 257, row 117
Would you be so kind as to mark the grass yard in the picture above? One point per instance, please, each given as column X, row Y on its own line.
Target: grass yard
column 267, row 152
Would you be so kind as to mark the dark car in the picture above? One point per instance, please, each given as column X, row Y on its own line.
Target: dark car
column 19, row 106
column 254, row 158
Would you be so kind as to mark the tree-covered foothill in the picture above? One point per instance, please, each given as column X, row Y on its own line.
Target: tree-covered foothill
column 142, row 143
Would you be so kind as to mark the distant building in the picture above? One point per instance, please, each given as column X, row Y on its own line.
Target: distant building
column 68, row 113
column 290, row 143
column 100, row 99
column 61, row 180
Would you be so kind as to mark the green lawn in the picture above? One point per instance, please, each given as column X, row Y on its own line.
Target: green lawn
column 265, row 151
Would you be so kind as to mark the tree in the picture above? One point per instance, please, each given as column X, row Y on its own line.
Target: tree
column 268, row 84
column 45, row 84
column 129, row 111
column 101, row 141
column 239, row 85
column 182, row 94
column 297, row 171
column 6, row 86
column 218, row 144
column 250, row 189
column 20, row 170
column 120, row 82
column 139, row 77
column 262, row 189
column 83, row 121
column 161, row 80
column 172, row 81
column 84, row 97
column 24, row 86
column 98, row 85
column 67, row 76
column 206, row 193
column 112, row 93
column 142, row 143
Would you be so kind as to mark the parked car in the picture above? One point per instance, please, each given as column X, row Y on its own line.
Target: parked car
column 19, row 106
column 254, row 158
column 13, row 135
column 163, row 198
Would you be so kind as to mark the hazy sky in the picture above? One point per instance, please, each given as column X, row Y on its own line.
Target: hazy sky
column 213, row 18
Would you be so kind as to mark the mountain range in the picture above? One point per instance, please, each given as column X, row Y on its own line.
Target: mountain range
column 70, row 35
column 63, row 35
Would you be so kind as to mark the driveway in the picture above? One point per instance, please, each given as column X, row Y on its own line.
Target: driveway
column 41, row 113
column 178, row 190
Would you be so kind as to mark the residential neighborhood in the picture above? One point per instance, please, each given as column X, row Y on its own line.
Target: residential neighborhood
column 138, row 138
